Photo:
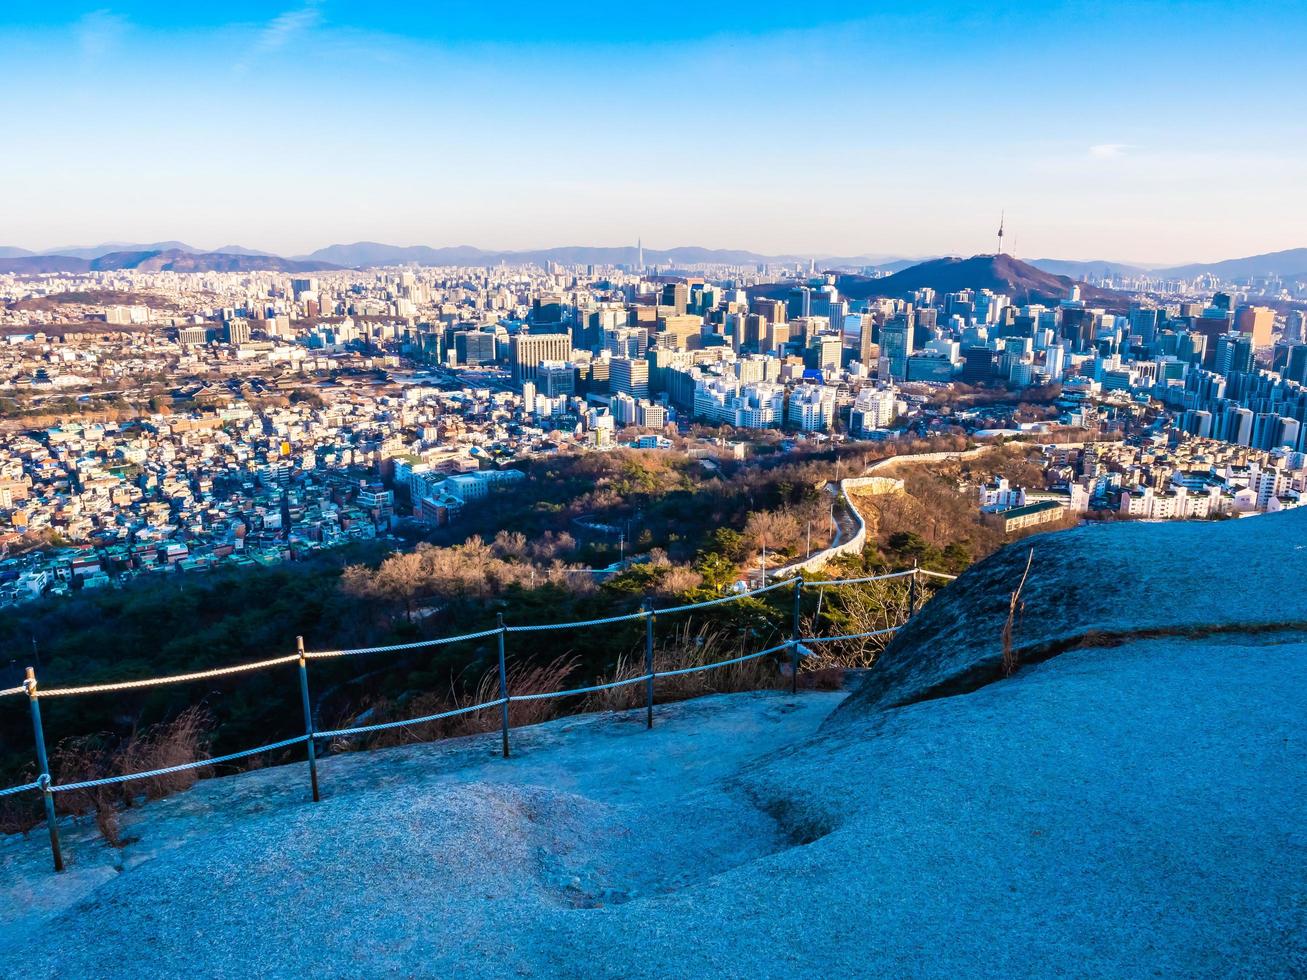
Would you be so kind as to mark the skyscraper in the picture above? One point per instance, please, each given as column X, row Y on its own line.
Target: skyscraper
column 895, row 347
column 1257, row 322
column 629, row 377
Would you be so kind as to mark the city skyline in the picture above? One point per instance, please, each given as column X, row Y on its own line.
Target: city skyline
column 838, row 133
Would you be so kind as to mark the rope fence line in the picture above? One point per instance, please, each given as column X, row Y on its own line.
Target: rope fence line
column 439, row 641
column 582, row 624
column 796, row 646
column 21, row 789
column 56, row 692
column 384, row 726
column 723, row 663
column 584, row 690
column 849, row 636
column 870, row 578
column 198, row 764
column 724, row 599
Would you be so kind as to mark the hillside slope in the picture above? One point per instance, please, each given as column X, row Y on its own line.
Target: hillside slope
column 1130, row 806
column 999, row 273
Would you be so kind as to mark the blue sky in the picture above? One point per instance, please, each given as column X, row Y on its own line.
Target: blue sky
column 1144, row 131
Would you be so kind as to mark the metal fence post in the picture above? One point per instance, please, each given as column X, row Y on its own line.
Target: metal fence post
column 912, row 592
column 503, row 682
column 308, row 718
column 649, row 661
column 794, row 637
column 43, row 763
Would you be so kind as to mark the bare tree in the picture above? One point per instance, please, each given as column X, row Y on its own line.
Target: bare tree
column 1010, row 659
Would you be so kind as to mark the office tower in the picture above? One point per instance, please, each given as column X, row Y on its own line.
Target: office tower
column 676, row 295
column 772, row 310
column 1143, row 323
column 1295, row 327
column 1257, row 322
column 298, row 287
column 778, row 335
column 825, row 352
column 626, row 341
column 237, row 331
column 629, row 377
column 1234, row 352
column 865, row 340
column 896, row 347
column 526, row 351
column 754, row 331
column 556, row 378
column 679, row 332
column 192, row 336
column 547, row 312
column 799, row 302
column 473, row 348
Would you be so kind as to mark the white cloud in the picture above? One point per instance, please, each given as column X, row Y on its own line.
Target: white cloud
column 98, row 32
column 1108, row 151
column 281, row 30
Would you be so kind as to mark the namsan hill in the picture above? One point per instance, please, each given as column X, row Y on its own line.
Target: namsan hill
column 1128, row 801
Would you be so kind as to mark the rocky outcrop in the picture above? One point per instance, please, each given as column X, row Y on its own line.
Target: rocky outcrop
column 1098, row 585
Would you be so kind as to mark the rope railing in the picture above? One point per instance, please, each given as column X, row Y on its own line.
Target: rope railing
column 394, row 647
column 21, row 789
column 201, row 675
column 183, row 767
column 422, row 720
column 582, row 624
column 796, row 645
column 870, row 578
column 850, row 636
column 723, row 663
column 724, row 599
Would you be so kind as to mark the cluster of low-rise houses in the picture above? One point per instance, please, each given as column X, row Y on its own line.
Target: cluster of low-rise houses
column 1155, row 478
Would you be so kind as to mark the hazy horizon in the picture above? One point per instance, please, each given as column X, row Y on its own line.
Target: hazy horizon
column 876, row 256
column 903, row 131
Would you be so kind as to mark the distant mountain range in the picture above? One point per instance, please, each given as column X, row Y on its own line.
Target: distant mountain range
column 180, row 257
column 359, row 255
column 1289, row 264
column 362, row 254
column 159, row 260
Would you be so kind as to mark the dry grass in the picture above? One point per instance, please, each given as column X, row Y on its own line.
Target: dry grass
column 687, row 646
column 182, row 740
column 523, row 678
